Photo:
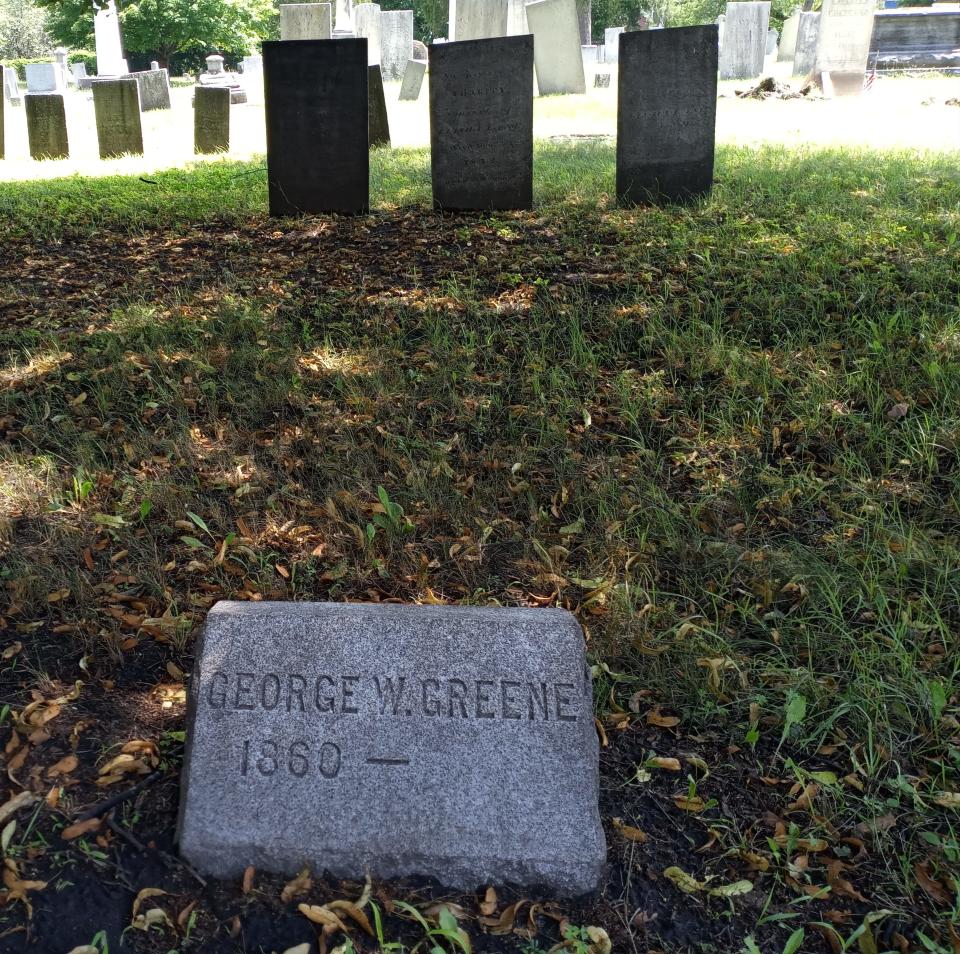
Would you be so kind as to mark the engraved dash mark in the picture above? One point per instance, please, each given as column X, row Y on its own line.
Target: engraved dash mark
column 376, row 761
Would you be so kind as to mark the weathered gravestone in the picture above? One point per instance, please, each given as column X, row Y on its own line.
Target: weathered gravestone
column 844, row 45
column 601, row 79
column 116, row 104
column 47, row 126
column 788, row 37
column 312, row 86
column 480, row 19
column 11, row 87
column 448, row 742
column 517, row 17
column 211, row 119
column 396, row 42
column 556, row 28
column 44, row 78
column 366, row 17
column 666, row 114
column 306, row 21
column 808, row 35
column 481, row 124
column 772, row 37
column 611, row 44
column 378, row 120
column 154, row 89
column 80, row 77
column 744, row 39
column 412, row 80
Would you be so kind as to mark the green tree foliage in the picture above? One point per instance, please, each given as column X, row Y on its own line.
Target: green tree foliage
column 164, row 29
column 674, row 13
column 23, row 29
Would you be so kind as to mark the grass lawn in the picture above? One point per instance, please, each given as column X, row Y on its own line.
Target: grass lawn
column 725, row 436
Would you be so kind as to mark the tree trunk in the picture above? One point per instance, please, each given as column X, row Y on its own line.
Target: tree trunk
column 585, row 13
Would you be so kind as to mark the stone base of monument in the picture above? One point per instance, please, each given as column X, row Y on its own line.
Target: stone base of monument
column 451, row 743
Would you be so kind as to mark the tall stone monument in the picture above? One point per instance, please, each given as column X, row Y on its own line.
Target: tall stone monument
column 106, row 30
column 211, row 120
column 116, row 104
column 744, row 39
column 808, row 35
column 47, row 126
column 313, row 85
column 306, row 21
column 396, row 42
column 844, row 45
column 447, row 742
column 555, row 26
column 611, row 44
column 480, row 19
column 666, row 114
column 366, row 18
column 481, row 124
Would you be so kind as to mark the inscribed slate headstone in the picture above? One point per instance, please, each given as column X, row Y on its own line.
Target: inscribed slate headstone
column 305, row 21
column 481, row 19
column 611, row 44
column 44, row 78
column 154, row 89
column 313, row 85
column 106, row 28
column 666, row 114
column 844, row 45
column 517, row 17
column 744, row 39
column 116, row 105
column 449, row 742
column 788, row 37
column 396, row 42
column 808, row 35
column 556, row 28
column 378, row 119
column 481, row 124
column 211, row 120
column 412, row 80
column 47, row 126
column 366, row 17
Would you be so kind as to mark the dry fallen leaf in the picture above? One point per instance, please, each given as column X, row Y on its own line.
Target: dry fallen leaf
column 299, row 949
column 654, row 717
column 898, row 411
column 947, row 799
column 504, row 924
column 489, row 903
column 353, row 912
column 689, row 803
column 11, row 650
column 320, row 914
column 23, row 800
column 683, row 881
column 629, row 832
column 80, row 828
column 247, row 884
column 143, row 895
column 299, row 885
column 65, row 766
column 669, row 765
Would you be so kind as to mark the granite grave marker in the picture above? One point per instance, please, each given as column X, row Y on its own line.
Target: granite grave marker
column 481, row 123
column 412, row 80
column 312, row 86
column 116, row 105
column 366, row 16
column 744, row 39
column 808, row 34
column 306, row 21
column 846, row 27
column 556, row 28
column 448, row 742
column 481, row 19
column 44, row 78
column 47, row 126
column 378, row 119
column 396, row 42
column 154, row 89
column 211, row 119
column 666, row 114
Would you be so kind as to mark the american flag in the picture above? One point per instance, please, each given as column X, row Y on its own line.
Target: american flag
column 871, row 75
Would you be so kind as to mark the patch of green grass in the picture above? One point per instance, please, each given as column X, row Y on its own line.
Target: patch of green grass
column 726, row 435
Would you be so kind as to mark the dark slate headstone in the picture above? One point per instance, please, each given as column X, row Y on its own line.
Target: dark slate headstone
column 116, row 104
column 379, row 121
column 481, row 124
column 316, row 109
column 448, row 742
column 47, row 126
column 666, row 116
column 211, row 119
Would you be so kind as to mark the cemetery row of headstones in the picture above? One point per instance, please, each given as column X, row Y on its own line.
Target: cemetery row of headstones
column 481, row 121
